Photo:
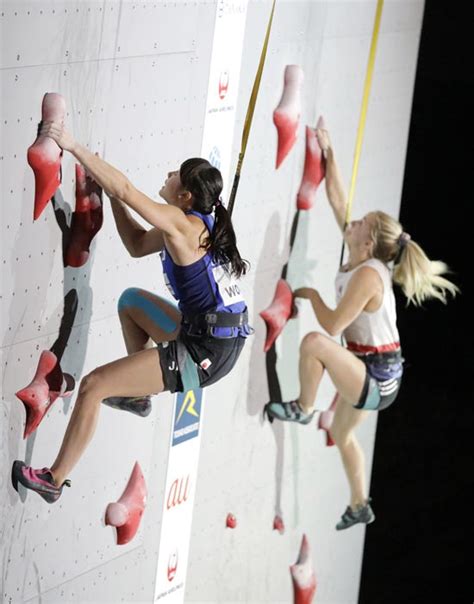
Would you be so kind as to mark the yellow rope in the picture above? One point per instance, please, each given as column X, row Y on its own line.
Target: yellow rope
column 250, row 111
column 365, row 103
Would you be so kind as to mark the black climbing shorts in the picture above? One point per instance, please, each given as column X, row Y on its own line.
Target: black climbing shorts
column 197, row 361
column 383, row 378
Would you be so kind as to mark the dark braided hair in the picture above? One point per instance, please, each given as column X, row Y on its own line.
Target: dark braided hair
column 204, row 182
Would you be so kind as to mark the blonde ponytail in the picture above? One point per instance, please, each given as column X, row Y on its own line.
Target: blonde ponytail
column 419, row 277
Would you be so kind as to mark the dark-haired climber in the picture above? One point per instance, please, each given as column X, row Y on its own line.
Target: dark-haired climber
column 197, row 343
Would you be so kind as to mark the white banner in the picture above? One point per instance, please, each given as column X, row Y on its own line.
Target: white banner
column 179, row 497
column 185, row 439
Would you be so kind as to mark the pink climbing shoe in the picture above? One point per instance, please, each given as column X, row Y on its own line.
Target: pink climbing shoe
column 44, row 155
column 40, row 481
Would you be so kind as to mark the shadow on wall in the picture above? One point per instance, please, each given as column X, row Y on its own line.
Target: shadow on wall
column 299, row 273
column 298, row 268
column 261, row 363
column 72, row 359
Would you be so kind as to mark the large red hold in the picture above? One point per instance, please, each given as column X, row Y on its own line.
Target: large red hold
column 303, row 576
column 49, row 383
column 126, row 513
column 314, row 169
column 286, row 116
column 86, row 220
column 277, row 314
column 44, row 155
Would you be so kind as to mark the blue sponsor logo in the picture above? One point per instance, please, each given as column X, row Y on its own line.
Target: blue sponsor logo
column 187, row 416
column 215, row 157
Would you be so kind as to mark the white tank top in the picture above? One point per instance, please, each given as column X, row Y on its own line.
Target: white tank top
column 372, row 331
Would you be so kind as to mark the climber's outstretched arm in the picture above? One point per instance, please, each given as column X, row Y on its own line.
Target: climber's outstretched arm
column 169, row 219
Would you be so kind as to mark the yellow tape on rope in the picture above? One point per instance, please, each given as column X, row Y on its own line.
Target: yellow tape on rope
column 250, row 111
column 365, row 103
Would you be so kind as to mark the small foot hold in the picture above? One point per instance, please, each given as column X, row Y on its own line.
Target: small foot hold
column 40, row 481
column 126, row 513
column 278, row 524
column 231, row 521
column 325, row 421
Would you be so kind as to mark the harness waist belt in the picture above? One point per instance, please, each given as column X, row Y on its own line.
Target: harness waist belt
column 383, row 358
column 218, row 319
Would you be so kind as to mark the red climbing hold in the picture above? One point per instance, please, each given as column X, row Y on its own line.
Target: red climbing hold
column 286, row 116
column 86, row 220
column 325, row 421
column 231, row 521
column 44, row 155
column 302, row 573
column 278, row 313
column 126, row 513
column 278, row 524
column 48, row 384
column 314, row 169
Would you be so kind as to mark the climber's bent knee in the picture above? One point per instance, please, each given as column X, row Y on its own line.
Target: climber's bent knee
column 133, row 297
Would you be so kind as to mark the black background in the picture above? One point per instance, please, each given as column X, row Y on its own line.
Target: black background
column 418, row 550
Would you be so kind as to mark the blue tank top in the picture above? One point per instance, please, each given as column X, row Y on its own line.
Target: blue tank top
column 205, row 285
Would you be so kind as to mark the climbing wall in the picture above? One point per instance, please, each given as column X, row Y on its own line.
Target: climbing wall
column 135, row 79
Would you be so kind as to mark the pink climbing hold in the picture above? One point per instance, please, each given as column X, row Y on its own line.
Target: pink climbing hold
column 126, row 513
column 286, row 116
column 304, row 578
column 278, row 524
column 325, row 421
column 231, row 521
column 278, row 313
column 49, row 383
column 86, row 220
column 44, row 155
column 314, row 169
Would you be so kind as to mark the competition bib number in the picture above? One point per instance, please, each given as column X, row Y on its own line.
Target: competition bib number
column 229, row 289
